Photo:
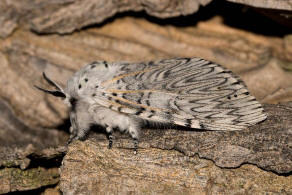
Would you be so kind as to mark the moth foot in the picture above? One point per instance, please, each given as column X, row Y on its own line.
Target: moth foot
column 135, row 141
column 72, row 138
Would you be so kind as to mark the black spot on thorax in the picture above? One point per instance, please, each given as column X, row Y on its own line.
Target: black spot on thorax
column 105, row 64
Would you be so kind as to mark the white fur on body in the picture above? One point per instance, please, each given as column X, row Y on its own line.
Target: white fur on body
column 84, row 115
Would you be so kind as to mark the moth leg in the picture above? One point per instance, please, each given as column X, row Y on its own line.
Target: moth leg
column 73, row 134
column 134, row 130
column 82, row 133
column 109, row 131
column 136, row 143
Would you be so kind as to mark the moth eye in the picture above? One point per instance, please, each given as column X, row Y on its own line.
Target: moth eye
column 85, row 79
column 96, row 86
column 229, row 97
column 79, row 86
column 235, row 95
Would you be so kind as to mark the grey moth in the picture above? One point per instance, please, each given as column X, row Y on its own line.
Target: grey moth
column 189, row 92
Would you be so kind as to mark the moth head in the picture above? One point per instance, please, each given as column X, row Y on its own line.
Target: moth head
column 59, row 92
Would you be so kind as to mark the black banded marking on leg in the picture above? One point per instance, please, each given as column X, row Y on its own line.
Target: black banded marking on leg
column 110, row 140
column 136, row 142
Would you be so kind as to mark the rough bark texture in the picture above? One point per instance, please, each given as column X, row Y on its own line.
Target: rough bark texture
column 14, row 179
column 27, row 159
column 33, row 125
column 267, row 145
column 272, row 4
column 277, row 10
column 65, row 16
column 90, row 168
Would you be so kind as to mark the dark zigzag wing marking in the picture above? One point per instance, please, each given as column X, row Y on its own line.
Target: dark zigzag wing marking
column 166, row 74
column 199, row 88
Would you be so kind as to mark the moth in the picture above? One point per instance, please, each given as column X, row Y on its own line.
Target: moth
column 190, row 92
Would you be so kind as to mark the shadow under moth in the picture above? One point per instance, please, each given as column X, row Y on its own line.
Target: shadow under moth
column 189, row 92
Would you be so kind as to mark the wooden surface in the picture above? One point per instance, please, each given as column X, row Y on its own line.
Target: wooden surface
column 34, row 126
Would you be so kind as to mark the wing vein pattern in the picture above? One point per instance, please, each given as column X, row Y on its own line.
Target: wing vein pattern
column 190, row 92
